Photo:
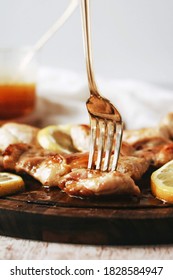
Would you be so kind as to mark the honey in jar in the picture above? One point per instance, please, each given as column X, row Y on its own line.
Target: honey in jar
column 16, row 100
column 17, row 84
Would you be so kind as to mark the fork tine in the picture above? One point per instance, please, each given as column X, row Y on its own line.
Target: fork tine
column 119, row 132
column 93, row 123
column 108, row 145
column 101, row 141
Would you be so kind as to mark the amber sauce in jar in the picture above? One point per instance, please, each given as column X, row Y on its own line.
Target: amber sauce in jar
column 18, row 80
column 16, row 100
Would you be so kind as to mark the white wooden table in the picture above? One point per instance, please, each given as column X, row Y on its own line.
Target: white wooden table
column 21, row 249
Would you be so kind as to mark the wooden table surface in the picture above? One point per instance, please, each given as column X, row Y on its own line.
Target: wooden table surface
column 21, row 249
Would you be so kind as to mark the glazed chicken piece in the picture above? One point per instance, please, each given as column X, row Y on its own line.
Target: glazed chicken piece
column 157, row 151
column 133, row 166
column 44, row 166
column 138, row 136
column 166, row 126
column 83, row 182
column 80, row 135
column 153, row 144
column 164, row 132
column 50, row 168
column 11, row 133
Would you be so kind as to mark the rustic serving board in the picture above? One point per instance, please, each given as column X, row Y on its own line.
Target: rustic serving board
column 51, row 215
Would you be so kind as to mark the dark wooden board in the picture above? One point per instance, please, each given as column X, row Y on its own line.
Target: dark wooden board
column 51, row 215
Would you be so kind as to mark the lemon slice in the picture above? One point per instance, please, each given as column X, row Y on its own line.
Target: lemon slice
column 162, row 182
column 56, row 138
column 10, row 183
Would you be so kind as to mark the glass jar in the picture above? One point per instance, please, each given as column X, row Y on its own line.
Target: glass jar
column 17, row 83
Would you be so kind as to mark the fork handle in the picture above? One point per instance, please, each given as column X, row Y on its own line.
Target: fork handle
column 87, row 45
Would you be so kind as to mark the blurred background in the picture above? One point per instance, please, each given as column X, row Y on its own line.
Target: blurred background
column 132, row 39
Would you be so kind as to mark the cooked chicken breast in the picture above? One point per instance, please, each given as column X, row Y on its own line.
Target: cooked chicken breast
column 140, row 149
column 162, row 155
column 135, row 137
column 42, row 165
column 133, row 166
column 164, row 131
column 156, row 150
column 153, row 144
column 166, row 126
column 11, row 133
column 49, row 168
column 80, row 135
column 83, row 182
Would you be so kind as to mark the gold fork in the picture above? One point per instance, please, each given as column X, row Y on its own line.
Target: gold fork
column 105, row 120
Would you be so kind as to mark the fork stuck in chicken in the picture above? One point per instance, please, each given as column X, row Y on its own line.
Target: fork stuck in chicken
column 21, row 152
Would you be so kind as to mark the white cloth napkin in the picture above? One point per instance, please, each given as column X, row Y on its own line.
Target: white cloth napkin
column 62, row 96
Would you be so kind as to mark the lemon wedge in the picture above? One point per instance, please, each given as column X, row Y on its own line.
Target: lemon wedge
column 56, row 138
column 10, row 183
column 162, row 182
